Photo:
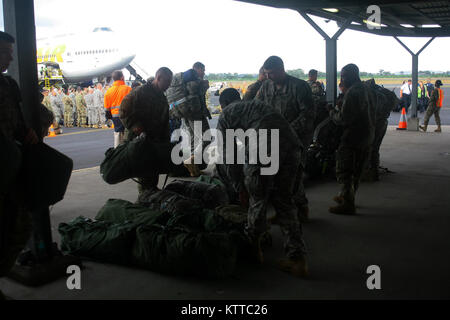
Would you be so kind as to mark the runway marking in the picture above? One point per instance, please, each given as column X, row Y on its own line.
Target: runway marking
column 79, row 132
column 85, row 169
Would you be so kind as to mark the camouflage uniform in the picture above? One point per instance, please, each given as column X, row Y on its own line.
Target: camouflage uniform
column 86, row 109
column 15, row 222
column 74, row 111
column 252, row 90
column 146, row 107
column 57, row 108
column 68, row 111
column 384, row 102
column 197, row 88
column 357, row 117
column 433, row 108
column 294, row 101
column 80, row 104
column 99, row 109
column 278, row 188
column 47, row 103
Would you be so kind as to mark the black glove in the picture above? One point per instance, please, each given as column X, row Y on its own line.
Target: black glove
column 108, row 115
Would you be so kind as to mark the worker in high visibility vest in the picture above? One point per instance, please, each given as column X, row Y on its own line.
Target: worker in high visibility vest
column 434, row 106
column 113, row 99
column 422, row 97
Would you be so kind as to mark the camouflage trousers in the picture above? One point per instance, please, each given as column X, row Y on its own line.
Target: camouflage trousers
column 300, row 198
column 81, row 115
column 68, row 118
column 195, row 137
column 102, row 115
column 57, row 114
column 432, row 110
column 15, row 231
column 278, row 190
column 380, row 132
column 350, row 163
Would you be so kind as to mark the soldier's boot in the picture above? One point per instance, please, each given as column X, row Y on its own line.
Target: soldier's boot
column 438, row 129
column 423, row 128
column 192, row 167
column 296, row 266
column 347, row 204
column 338, row 199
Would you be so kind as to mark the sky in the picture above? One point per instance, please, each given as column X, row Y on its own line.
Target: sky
column 229, row 36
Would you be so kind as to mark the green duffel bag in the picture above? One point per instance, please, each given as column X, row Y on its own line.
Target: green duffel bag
column 119, row 211
column 176, row 250
column 136, row 159
column 10, row 162
column 99, row 240
column 46, row 172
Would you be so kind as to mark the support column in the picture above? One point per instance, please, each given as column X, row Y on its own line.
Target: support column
column 331, row 70
column 19, row 22
column 331, row 56
column 413, row 121
column 46, row 263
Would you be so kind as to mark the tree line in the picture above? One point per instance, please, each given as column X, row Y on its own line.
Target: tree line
column 301, row 74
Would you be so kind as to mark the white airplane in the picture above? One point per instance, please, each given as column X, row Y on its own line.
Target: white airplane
column 83, row 57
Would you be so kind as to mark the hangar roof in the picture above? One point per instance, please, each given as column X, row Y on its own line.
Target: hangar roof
column 402, row 18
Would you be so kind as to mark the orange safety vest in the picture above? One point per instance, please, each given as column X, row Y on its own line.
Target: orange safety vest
column 441, row 98
column 114, row 97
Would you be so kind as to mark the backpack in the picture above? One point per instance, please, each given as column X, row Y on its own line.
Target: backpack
column 184, row 98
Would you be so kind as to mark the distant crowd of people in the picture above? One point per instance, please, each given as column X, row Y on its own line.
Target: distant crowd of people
column 76, row 107
column 423, row 95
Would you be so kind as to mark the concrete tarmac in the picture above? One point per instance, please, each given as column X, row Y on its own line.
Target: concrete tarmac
column 402, row 226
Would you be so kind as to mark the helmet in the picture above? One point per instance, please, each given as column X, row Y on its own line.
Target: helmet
column 438, row 83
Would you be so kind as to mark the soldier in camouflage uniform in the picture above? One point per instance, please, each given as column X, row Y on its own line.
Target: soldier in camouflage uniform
column 357, row 118
column 384, row 101
column 99, row 105
column 277, row 189
column 253, row 89
column 15, row 221
column 145, row 110
column 434, row 106
column 80, row 104
column 48, row 104
column 89, row 109
column 292, row 97
column 74, row 111
column 99, row 109
column 57, row 106
column 68, row 109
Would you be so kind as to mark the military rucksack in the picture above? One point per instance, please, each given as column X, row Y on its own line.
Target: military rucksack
column 184, row 98
column 386, row 100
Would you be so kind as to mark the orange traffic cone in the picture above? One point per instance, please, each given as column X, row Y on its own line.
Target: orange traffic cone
column 402, row 122
column 51, row 132
column 112, row 125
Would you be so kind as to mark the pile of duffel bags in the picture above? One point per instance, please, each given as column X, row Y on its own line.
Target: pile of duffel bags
column 186, row 229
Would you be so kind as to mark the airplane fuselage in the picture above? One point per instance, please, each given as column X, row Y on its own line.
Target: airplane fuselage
column 87, row 56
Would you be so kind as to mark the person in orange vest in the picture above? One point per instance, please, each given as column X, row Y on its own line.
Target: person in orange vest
column 113, row 99
column 434, row 106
